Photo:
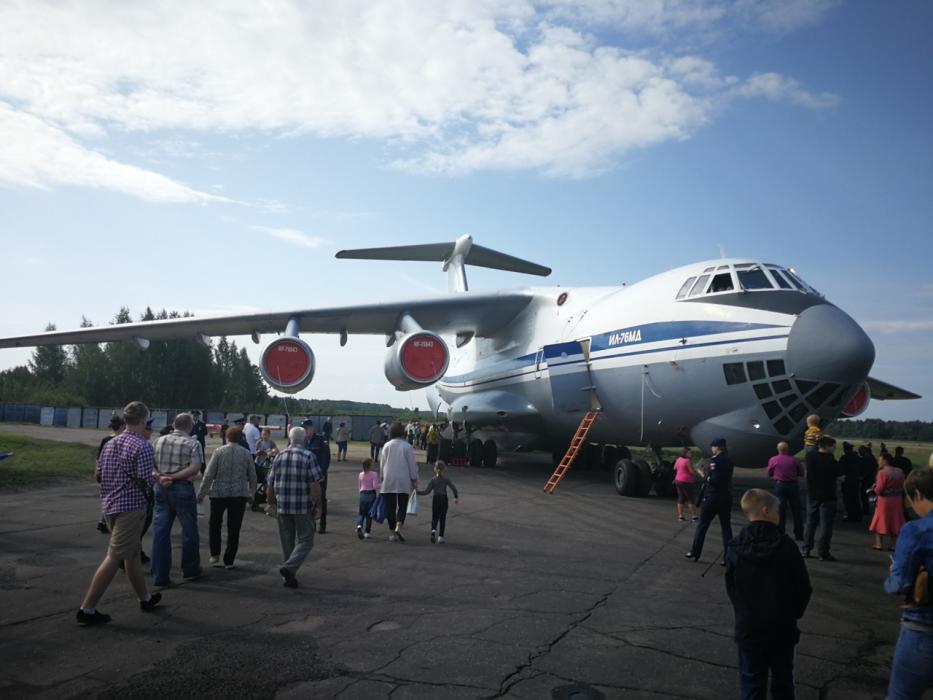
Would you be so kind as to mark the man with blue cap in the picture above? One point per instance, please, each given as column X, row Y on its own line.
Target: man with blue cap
column 717, row 499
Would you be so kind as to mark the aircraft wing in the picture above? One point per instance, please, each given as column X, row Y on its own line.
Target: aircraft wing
column 483, row 314
column 882, row 391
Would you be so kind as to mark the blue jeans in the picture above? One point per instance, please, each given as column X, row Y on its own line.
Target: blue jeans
column 754, row 665
column 822, row 514
column 176, row 501
column 912, row 668
column 367, row 498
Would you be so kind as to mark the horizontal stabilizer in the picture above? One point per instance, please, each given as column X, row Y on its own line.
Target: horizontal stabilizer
column 882, row 391
column 443, row 252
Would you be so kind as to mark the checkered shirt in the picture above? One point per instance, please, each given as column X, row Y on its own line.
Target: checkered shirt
column 177, row 450
column 293, row 470
column 124, row 459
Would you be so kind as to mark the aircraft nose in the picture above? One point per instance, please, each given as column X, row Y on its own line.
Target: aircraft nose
column 825, row 343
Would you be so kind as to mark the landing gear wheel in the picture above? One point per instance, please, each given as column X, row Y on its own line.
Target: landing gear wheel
column 476, row 453
column 626, row 477
column 644, row 477
column 490, row 454
column 664, row 486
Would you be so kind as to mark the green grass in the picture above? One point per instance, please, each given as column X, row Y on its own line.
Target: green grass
column 42, row 461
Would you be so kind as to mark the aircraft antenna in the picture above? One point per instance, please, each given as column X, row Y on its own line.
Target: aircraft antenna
column 722, row 251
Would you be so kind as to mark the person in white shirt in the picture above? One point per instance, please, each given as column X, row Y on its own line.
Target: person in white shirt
column 252, row 433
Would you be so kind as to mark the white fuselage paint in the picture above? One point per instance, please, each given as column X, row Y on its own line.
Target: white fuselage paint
column 654, row 385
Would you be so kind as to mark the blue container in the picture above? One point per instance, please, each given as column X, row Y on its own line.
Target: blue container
column 32, row 413
column 61, row 416
column 14, row 413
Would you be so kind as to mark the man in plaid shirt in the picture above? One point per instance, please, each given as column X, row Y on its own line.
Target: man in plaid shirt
column 178, row 457
column 294, row 489
column 125, row 470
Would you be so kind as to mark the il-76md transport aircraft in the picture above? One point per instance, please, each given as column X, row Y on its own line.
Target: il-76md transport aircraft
column 731, row 348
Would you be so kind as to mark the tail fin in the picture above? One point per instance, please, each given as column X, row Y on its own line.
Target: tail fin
column 455, row 256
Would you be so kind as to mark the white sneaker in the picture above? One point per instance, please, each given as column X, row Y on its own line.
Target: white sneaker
column 215, row 561
column 365, row 535
column 441, row 540
column 392, row 537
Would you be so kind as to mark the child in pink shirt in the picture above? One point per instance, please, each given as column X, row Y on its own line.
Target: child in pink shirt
column 369, row 486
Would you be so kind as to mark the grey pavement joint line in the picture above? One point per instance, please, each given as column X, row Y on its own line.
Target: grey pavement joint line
column 508, row 681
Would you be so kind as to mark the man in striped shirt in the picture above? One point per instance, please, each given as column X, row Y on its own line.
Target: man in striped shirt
column 294, row 489
column 178, row 457
column 125, row 471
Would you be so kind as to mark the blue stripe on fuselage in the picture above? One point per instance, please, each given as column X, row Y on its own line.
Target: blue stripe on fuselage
column 669, row 330
column 622, row 337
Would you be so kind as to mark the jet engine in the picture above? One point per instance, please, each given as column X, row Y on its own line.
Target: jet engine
column 287, row 364
column 416, row 360
column 858, row 403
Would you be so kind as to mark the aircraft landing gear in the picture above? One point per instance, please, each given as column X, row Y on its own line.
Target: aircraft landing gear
column 626, row 477
column 490, row 454
column 476, row 453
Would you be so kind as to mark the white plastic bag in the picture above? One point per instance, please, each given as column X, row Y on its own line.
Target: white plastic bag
column 413, row 503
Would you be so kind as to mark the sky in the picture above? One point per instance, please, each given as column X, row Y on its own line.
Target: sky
column 213, row 156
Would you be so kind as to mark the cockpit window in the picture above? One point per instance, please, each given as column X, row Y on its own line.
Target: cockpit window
column 755, row 278
column 780, row 279
column 744, row 277
column 686, row 287
column 722, row 283
column 799, row 282
column 700, row 285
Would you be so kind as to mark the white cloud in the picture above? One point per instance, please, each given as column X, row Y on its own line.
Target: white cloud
column 455, row 87
column 780, row 88
column 35, row 154
column 292, row 236
column 899, row 326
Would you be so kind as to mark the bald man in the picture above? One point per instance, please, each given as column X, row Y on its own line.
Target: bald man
column 786, row 471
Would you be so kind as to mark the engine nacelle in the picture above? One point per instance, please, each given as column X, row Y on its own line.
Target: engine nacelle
column 858, row 403
column 287, row 364
column 416, row 360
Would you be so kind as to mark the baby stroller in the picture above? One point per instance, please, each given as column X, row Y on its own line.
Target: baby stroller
column 263, row 464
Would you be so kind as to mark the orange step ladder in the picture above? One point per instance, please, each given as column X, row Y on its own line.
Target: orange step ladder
column 579, row 439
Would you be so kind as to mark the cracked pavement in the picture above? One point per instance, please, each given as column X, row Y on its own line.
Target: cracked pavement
column 532, row 595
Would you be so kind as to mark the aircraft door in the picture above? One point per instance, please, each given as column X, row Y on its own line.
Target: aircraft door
column 569, row 375
column 539, row 364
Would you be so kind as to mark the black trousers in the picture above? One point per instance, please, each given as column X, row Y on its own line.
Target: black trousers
column 374, row 450
column 852, row 499
column 788, row 495
column 322, row 522
column 439, row 506
column 396, row 508
column 715, row 506
column 234, row 507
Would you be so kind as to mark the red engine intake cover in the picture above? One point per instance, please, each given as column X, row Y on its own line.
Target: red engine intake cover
column 423, row 357
column 858, row 403
column 287, row 364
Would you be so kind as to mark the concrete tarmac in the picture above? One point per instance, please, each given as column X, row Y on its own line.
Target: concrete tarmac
column 533, row 596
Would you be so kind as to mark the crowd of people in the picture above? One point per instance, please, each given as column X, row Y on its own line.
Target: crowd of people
column 766, row 577
column 142, row 484
column 765, row 573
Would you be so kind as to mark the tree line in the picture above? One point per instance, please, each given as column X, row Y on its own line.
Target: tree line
column 875, row 428
column 169, row 374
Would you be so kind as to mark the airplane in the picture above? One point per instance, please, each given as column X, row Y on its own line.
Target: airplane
column 733, row 348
